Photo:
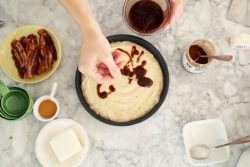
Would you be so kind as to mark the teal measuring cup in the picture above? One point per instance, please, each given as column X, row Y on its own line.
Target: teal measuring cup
column 15, row 102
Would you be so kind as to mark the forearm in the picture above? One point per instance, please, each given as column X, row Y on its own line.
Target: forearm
column 82, row 15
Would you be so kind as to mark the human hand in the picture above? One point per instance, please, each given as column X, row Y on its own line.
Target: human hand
column 177, row 9
column 96, row 59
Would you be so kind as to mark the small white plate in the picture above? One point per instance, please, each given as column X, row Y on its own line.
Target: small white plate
column 210, row 132
column 244, row 159
column 44, row 152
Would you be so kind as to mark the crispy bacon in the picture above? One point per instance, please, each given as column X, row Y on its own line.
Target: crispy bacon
column 23, row 41
column 19, row 57
column 19, row 52
column 32, row 58
column 21, row 69
column 32, row 54
column 47, row 50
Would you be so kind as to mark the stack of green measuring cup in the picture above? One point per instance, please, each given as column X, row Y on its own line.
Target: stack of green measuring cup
column 15, row 102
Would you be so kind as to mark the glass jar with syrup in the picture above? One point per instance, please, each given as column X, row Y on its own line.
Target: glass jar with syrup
column 146, row 16
column 193, row 60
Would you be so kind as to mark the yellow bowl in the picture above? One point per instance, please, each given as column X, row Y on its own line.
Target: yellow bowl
column 8, row 64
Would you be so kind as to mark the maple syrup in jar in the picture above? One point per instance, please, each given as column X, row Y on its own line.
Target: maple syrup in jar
column 146, row 16
column 194, row 58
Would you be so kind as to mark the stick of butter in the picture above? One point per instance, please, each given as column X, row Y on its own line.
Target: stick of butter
column 65, row 144
column 240, row 41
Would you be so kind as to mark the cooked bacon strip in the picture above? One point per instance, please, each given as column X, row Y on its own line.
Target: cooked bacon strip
column 48, row 61
column 19, row 52
column 19, row 57
column 32, row 54
column 47, row 51
column 50, row 44
column 21, row 69
column 23, row 41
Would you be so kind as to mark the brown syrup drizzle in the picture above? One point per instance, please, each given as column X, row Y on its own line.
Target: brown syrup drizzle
column 139, row 72
column 139, row 57
column 104, row 94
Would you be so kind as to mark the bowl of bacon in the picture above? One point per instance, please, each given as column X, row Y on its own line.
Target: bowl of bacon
column 30, row 54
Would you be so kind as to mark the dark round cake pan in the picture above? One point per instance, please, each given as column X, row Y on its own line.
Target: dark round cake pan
column 164, row 68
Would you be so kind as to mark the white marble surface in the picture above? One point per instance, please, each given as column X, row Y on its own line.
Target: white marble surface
column 223, row 91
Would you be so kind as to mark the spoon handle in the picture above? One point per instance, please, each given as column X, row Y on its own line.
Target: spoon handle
column 53, row 91
column 237, row 141
column 224, row 57
column 220, row 57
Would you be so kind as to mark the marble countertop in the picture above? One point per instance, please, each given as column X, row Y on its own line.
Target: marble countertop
column 223, row 91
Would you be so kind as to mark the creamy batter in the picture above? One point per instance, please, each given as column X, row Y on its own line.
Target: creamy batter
column 129, row 101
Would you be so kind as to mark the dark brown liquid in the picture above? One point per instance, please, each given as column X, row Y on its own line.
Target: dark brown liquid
column 127, row 72
column 145, row 82
column 131, row 55
column 139, row 57
column 195, row 53
column 111, row 88
column 146, row 16
column 139, row 72
column 104, row 94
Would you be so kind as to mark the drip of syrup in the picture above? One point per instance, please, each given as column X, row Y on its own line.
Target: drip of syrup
column 138, row 71
column 126, row 71
column 145, row 82
column 104, row 94
column 133, row 52
column 139, row 57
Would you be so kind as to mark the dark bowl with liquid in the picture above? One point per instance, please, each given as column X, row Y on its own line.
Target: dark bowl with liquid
column 164, row 68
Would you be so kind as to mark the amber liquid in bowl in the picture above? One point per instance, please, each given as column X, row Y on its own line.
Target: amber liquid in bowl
column 47, row 109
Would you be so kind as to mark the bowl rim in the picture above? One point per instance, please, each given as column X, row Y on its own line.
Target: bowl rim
column 165, row 72
column 207, row 161
column 29, row 110
column 38, row 101
column 84, row 132
column 45, row 75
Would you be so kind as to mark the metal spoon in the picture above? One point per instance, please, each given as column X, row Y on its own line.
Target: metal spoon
column 202, row 151
column 218, row 57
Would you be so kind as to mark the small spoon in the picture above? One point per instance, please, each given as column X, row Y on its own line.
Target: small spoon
column 202, row 151
column 218, row 57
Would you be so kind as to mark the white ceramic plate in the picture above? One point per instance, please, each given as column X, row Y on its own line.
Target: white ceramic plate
column 244, row 159
column 44, row 151
column 210, row 132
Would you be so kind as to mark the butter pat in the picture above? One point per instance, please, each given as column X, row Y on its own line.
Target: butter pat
column 65, row 144
column 240, row 41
